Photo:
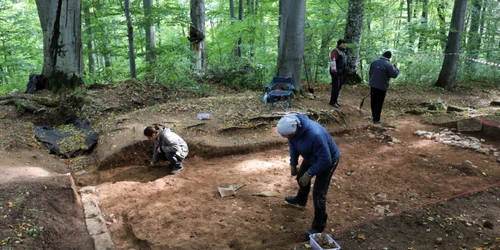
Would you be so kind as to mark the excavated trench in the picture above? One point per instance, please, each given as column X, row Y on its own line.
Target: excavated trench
column 139, row 153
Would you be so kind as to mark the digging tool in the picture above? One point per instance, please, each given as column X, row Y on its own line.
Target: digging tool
column 363, row 101
column 228, row 190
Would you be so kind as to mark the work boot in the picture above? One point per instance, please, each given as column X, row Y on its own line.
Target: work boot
column 290, row 199
column 309, row 232
column 176, row 169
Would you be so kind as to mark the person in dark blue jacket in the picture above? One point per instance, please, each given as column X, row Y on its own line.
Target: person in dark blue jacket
column 381, row 71
column 320, row 156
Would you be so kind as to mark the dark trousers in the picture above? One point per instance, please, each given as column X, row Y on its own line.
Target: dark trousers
column 320, row 189
column 175, row 161
column 377, row 101
column 337, row 81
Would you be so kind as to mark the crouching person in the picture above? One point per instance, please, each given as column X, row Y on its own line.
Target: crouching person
column 168, row 145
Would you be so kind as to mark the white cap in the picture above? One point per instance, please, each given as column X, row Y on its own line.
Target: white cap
column 288, row 124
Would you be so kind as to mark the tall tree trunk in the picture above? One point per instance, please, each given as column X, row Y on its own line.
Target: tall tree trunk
column 292, row 40
column 90, row 40
column 399, row 23
column 233, row 19
column 4, row 69
column 424, row 25
column 251, row 11
column 326, row 39
column 130, row 35
column 352, row 35
column 158, row 28
column 441, row 10
column 62, row 43
column 447, row 76
column 408, row 10
column 240, row 18
column 231, row 11
column 474, row 38
column 150, row 32
column 107, row 55
column 197, row 33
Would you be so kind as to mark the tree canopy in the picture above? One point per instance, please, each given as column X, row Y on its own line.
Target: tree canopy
column 416, row 32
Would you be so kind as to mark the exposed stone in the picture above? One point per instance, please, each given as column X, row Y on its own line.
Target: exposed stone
column 103, row 241
column 495, row 103
column 88, row 189
column 452, row 108
column 420, row 132
column 469, row 125
column 448, row 137
column 418, row 111
column 468, row 164
column 96, row 225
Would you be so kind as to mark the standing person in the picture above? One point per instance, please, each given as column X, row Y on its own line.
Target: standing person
column 337, row 65
column 320, row 156
column 381, row 71
column 168, row 145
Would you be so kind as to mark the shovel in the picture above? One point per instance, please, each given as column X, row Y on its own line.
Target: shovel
column 228, row 190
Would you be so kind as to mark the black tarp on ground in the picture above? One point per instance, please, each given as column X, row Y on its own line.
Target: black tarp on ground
column 75, row 138
column 36, row 82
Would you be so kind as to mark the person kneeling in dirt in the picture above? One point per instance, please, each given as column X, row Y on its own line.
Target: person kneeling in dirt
column 167, row 144
column 320, row 154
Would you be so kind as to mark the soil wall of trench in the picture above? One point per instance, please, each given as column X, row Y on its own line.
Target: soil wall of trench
column 139, row 152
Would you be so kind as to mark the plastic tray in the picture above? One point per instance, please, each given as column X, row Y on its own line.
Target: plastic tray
column 315, row 245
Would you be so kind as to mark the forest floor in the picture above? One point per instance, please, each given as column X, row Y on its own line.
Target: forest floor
column 392, row 189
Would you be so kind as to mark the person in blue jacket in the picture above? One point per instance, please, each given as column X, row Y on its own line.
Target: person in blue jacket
column 381, row 71
column 320, row 156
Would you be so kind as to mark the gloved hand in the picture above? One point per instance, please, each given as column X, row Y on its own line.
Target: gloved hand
column 305, row 179
column 293, row 170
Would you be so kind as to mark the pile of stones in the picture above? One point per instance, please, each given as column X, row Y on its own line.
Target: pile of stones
column 449, row 137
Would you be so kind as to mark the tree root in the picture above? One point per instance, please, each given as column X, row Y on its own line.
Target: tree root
column 334, row 115
column 226, row 129
column 28, row 103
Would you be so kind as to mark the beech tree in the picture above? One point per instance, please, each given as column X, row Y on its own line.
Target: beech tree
column 130, row 35
column 448, row 73
column 150, row 31
column 197, row 33
column 474, row 37
column 291, row 40
column 62, row 43
column 353, row 32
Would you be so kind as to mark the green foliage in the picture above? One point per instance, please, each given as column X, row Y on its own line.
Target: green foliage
column 20, row 44
column 385, row 27
column 418, row 70
column 477, row 72
column 242, row 75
